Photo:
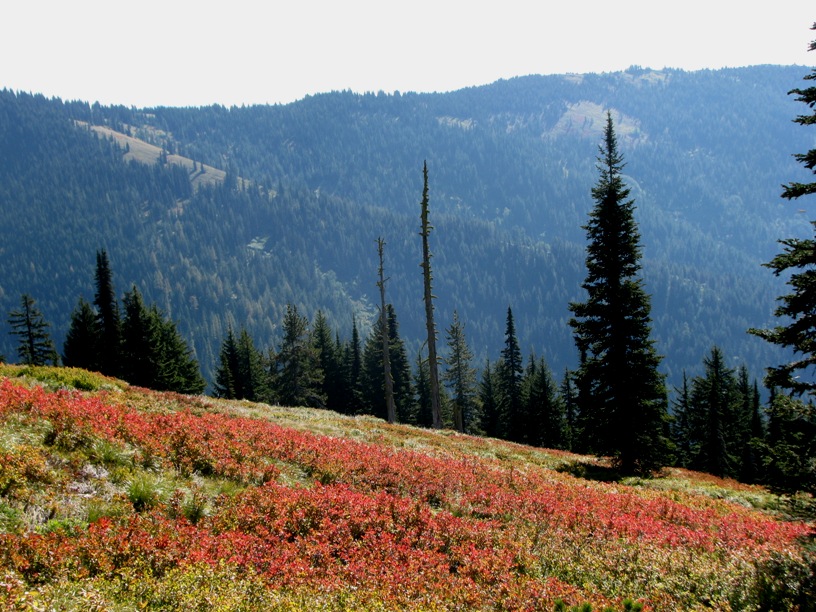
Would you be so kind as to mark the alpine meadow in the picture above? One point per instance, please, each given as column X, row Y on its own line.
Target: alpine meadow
column 543, row 344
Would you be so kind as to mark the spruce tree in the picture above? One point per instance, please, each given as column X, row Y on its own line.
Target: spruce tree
column 227, row 370
column 81, row 347
column 459, row 375
column 329, row 361
column 252, row 377
column 35, row 345
column 371, row 376
column 107, row 309
column 715, row 404
column 625, row 412
column 154, row 355
column 489, row 398
column 510, row 370
column 568, row 397
column 798, row 262
column 297, row 376
column 546, row 423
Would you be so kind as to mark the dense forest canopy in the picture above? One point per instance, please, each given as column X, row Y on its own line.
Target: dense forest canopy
column 309, row 186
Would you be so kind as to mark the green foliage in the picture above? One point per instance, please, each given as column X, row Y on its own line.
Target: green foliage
column 624, row 412
column 144, row 491
column 35, row 345
column 297, row 377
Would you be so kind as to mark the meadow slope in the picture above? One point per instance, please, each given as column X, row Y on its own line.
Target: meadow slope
column 118, row 498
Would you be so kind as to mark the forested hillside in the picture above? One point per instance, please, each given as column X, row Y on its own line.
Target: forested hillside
column 310, row 186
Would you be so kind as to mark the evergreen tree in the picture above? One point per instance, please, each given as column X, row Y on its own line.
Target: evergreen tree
column 178, row 368
column 626, row 410
column 35, row 345
column 683, row 433
column 570, row 410
column 352, row 365
column 373, row 392
column 422, row 384
column 226, row 373
column 546, row 425
column 791, row 445
column 433, row 364
column 510, row 371
column 715, row 414
column 388, row 379
column 460, row 376
column 297, row 376
column 140, row 339
column 153, row 353
column 798, row 260
column 240, row 373
column 252, row 377
column 107, row 309
column 329, row 358
column 81, row 347
column 490, row 400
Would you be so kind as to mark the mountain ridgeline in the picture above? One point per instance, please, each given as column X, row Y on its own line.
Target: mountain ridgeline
column 223, row 216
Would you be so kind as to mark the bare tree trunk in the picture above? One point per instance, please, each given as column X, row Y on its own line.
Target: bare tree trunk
column 433, row 365
column 391, row 408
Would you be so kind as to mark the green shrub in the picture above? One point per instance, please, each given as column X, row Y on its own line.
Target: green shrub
column 144, row 492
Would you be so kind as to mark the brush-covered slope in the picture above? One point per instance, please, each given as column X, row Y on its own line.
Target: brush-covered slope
column 117, row 498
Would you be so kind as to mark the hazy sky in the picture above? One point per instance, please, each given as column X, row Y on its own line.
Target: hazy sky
column 198, row 52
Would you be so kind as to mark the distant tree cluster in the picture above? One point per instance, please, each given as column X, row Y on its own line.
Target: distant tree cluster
column 137, row 343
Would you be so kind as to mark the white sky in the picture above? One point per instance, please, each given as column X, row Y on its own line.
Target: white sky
column 232, row 52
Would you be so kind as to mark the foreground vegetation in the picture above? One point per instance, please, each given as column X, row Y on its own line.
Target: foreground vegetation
column 114, row 497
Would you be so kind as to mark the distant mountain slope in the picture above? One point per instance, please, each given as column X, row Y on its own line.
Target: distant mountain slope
column 511, row 169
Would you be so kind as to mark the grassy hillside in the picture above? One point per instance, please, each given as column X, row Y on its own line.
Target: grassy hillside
column 118, row 498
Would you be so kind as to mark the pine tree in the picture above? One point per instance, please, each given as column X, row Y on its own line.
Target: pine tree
column 510, row 370
column 798, row 260
column 107, row 309
column 27, row 323
column 297, row 376
column 625, row 414
column 460, row 376
column 433, row 364
column 81, row 347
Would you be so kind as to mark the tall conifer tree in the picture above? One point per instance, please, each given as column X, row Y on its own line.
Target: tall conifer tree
column 798, row 259
column 510, row 371
column 107, row 310
column 626, row 409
